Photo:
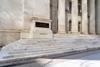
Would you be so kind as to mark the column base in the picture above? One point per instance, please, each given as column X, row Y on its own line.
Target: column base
column 74, row 33
column 65, row 35
column 85, row 33
column 92, row 34
column 60, row 35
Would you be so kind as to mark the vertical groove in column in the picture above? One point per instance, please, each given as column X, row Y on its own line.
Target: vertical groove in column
column 74, row 16
column 54, row 15
column 66, row 14
column 84, row 17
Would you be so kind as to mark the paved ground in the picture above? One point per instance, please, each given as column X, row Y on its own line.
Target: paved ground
column 43, row 62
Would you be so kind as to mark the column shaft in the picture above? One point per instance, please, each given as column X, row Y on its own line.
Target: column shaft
column 61, row 16
column 84, row 17
column 92, row 17
column 74, row 16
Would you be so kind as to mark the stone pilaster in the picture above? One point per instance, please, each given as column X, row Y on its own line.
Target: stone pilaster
column 84, row 17
column 74, row 16
column 92, row 17
column 61, row 17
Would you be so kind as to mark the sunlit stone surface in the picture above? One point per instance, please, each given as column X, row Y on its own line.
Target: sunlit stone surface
column 17, row 16
column 11, row 14
column 40, row 47
column 18, row 23
column 11, row 20
column 38, row 8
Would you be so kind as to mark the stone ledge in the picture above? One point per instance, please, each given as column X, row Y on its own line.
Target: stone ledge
column 14, row 30
column 41, row 19
column 10, row 30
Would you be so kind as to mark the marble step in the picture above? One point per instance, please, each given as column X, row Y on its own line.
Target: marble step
column 35, row 47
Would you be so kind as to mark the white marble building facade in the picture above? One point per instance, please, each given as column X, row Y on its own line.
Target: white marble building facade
column 19, row 18
column 79, row 16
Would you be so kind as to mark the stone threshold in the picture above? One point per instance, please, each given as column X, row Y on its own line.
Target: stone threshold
column 25, row 60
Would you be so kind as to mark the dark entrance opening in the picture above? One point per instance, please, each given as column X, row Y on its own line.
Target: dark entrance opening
column 70, row 6
column 41, row 24
column 70, row 25
column 79, row 26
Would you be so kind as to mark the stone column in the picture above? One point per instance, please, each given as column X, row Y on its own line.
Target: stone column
column 84, row 17
column 97, row 17
column 61, row 17
column 92, row 17
column 74, row 16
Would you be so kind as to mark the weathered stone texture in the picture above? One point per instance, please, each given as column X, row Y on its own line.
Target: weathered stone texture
column 11, row 14
column 91, row 16
column 17, row 14
column 8, row 37
column 11, row 19
column 35, row 8
column 74, row 16
column 45, row 47
column 84, row 17
column 61, row 17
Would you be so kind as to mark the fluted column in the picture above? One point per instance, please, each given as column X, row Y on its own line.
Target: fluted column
column 61, row 17
column 84, row 17
column 74, row 16
column 92, row 17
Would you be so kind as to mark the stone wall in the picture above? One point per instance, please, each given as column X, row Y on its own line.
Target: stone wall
column 8, row 37
column 16, row 15
column 11, row 20
column 11, row 14
column 36, row 8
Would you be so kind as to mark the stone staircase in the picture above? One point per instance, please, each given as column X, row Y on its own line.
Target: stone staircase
column 40, row 47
